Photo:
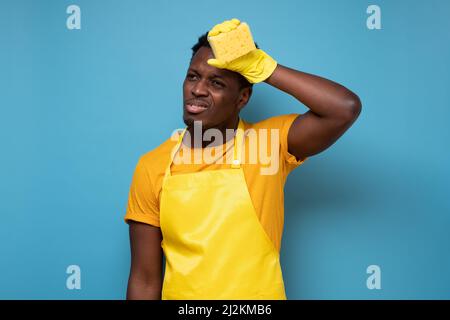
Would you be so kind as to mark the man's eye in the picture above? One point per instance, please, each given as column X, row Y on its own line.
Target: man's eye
column 191, row 76
column 218, row 84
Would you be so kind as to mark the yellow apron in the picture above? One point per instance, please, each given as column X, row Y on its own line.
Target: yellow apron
column 214, row 244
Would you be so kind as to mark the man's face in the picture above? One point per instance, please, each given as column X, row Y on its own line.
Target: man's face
column 210, row 94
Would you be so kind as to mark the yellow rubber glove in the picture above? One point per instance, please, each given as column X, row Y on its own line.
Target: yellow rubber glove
column 225, row 26
column 256, row 66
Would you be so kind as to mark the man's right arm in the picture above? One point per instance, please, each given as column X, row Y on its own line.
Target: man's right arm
column 145, row 280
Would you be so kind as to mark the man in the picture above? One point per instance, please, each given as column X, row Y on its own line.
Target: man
column 220, row 223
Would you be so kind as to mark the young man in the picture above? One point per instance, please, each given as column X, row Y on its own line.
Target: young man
column 219, row 222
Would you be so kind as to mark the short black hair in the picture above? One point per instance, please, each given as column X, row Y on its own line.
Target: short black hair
column 203, row 42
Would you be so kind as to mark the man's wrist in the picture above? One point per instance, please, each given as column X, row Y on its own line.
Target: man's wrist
column 260, row 68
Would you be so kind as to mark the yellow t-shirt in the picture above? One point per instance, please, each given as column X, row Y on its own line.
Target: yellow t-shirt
column 264, row 177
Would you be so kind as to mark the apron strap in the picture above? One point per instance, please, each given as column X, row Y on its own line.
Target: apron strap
column 174, row 151
column 237, row 148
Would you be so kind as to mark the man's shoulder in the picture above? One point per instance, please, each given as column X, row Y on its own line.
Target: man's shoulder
column 157, row 158
column 273, row 122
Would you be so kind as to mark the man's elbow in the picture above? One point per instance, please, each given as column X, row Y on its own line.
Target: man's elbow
column 353, row 107
column 143, row 290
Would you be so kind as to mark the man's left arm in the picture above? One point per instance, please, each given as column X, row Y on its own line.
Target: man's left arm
column 333, row 109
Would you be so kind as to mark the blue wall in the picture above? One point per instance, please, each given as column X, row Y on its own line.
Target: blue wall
column 78, row 108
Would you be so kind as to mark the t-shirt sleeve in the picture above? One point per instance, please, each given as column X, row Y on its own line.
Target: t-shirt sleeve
column 290, row 160
column 142, row 205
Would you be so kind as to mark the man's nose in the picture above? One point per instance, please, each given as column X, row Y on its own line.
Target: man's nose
column 200, row 88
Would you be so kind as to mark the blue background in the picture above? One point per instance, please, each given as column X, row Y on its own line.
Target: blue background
column 78, row 108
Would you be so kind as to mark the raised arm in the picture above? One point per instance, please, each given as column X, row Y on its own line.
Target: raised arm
column 333, row 109
column 145, row 281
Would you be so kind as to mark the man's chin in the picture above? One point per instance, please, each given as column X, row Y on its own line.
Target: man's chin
column 189, row 121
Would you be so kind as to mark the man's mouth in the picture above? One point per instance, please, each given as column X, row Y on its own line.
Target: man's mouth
column 195, row 107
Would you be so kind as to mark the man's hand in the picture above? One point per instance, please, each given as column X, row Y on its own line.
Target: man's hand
column 256, row 66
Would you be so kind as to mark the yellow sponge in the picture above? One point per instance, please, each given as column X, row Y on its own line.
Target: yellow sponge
column 233, row 44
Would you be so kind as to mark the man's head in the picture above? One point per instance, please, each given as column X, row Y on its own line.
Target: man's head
column 212, row 95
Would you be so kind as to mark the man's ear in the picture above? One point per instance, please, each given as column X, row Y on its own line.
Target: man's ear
column 244, row 96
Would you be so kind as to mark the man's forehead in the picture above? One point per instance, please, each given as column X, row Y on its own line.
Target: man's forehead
column 200, row 63
column 204, row 67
